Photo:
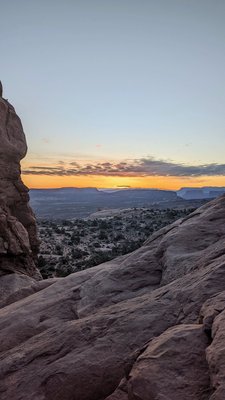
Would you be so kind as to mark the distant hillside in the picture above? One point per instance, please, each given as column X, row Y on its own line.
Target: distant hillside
column 69, row 203
column 200, row 193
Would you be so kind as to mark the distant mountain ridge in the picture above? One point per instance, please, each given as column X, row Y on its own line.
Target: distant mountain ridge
column 66, row 203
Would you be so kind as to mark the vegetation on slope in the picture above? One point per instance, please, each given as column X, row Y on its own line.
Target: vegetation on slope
column 70, row 246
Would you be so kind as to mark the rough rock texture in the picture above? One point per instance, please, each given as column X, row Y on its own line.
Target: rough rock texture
column 14, row 287
column 146, row 326
column 18, row 236
column 173, row 366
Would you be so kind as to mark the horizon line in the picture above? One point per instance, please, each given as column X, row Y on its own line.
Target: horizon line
column 127, row 188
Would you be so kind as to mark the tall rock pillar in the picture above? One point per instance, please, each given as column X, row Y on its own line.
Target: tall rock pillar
column 18, row 232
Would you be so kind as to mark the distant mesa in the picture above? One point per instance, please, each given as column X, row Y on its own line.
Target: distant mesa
column 63, row 203
column 80, row 203
column 208, row 192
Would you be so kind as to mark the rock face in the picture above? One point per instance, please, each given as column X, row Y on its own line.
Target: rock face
column 18, row 236
column 146, row 326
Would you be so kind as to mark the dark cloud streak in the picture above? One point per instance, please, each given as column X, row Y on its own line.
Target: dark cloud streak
column 137, row 168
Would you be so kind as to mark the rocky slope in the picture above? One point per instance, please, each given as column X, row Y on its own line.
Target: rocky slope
column 149, row 325
column 146, row 326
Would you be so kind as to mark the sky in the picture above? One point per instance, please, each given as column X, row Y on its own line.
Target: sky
column 117, row 93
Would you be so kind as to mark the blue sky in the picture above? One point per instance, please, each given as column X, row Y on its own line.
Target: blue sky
column 114, row 80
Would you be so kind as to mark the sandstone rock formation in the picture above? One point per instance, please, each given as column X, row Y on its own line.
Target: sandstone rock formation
column 18, row 236
column 147, row 326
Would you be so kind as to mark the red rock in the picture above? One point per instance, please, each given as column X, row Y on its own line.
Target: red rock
column 18, row 235
column 172, row 367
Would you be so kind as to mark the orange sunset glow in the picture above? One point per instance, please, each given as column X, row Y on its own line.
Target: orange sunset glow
column 159, row 182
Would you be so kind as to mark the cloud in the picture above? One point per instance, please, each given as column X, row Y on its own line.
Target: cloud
column 45, row 140
column 143, row 167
